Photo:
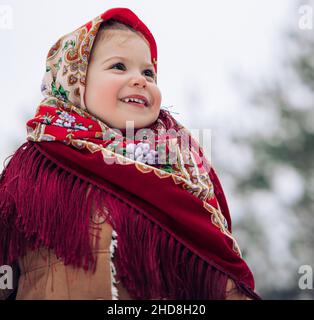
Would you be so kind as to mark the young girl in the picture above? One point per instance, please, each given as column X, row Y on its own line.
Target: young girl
column 90, row 211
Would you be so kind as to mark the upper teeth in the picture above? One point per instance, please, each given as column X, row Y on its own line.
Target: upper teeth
column 133, row 99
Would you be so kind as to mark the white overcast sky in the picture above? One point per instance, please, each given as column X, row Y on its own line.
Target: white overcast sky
column 202, row 44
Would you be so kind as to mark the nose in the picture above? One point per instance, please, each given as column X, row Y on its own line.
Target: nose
column 139, row 81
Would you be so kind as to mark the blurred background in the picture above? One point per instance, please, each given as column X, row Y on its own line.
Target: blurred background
column 243, row 70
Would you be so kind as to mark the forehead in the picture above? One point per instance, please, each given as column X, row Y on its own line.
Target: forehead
column 119, row 42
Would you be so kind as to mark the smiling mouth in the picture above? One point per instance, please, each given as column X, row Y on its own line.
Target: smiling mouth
column 139, row 105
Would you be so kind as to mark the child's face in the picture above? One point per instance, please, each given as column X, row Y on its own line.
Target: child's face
column 119, row 69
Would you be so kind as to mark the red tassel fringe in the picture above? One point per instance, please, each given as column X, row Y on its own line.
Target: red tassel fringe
column 42, row 204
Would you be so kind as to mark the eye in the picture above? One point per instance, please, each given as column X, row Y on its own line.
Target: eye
column 149, row 73
column 120, row 66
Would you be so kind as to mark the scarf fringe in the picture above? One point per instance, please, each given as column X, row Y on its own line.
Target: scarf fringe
column 113, row 245
column 170, row 270
column 47, row 206
column 42, row 204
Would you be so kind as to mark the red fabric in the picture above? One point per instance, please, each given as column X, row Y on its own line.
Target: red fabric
column 175, row 210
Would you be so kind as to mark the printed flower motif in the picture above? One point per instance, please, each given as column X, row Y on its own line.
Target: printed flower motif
column 47, row 119
column 67, row 117
column 141, row 152
column 68, row 121
column 80, row 127
column 68, row 43
column 58, row 64
column 60, row 92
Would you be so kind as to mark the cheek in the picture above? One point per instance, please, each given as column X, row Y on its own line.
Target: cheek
column 157, row 98
column 106, row 88
column 101, row 89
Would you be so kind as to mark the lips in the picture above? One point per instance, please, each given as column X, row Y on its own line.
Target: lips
column 136, row 104
column 138, row 100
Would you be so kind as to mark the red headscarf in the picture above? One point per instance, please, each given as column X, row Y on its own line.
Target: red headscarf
column 171, row 218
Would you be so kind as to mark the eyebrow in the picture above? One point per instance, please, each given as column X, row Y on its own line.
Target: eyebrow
column 124, row 58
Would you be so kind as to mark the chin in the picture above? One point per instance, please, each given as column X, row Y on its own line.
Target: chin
column 142, row 125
